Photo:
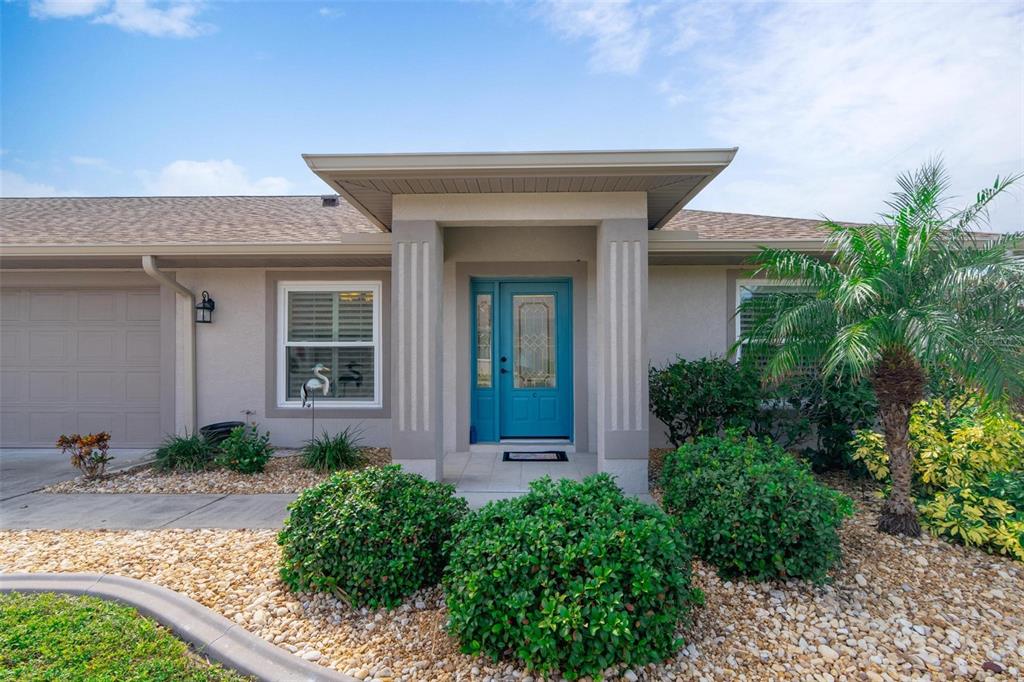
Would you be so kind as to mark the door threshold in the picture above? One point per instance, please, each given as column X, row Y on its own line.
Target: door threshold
column 535, row 441
column 523, row 445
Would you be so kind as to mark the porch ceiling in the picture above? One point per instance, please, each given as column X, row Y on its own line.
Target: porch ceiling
column 669, row 177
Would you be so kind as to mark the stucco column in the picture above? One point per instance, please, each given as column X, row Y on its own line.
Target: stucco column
column 416, row 264
column 622, row 408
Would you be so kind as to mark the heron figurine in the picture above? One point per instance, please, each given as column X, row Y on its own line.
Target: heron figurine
column 317, row 383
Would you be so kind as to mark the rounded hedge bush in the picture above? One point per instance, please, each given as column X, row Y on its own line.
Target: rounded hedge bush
column 371, row 537
column 751, row 509
column 572, row 577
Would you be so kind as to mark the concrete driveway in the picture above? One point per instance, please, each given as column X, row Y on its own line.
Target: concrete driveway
column 24, row 470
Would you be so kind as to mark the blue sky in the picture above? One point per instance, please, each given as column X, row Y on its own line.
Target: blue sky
column 827, row 102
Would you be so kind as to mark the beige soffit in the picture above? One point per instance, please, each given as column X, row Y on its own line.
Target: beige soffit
column 670, row 177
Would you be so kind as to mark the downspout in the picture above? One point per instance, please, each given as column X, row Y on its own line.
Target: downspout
column 150, row 267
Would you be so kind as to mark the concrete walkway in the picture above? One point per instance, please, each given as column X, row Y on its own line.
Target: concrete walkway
column 26, row 470
column 101, row 511
column 479, row 477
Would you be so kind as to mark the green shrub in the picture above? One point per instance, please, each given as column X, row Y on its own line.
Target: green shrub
column 572, row 576
column 1008, row 486
column 245, row 450
column 751, row 509
column 704, row 396
column 371, row 537
column 331, row 453
column 190, row 452
column 831, row 410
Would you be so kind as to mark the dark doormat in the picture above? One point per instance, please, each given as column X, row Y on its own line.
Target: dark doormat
column 545, row 456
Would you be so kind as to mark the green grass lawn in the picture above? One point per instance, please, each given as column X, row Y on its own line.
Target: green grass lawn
column 63, row 637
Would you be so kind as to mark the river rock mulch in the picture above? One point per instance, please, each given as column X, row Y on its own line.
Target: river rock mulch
column 895, row 610
column 284, row 474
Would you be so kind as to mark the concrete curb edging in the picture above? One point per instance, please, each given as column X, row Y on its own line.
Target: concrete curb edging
column 209, row 633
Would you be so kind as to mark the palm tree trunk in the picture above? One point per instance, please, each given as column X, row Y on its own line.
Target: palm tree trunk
column 899, row 382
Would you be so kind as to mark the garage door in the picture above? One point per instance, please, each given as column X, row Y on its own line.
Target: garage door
column 79, row 361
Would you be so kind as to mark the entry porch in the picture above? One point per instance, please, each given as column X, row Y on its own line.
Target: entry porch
column 510, row 226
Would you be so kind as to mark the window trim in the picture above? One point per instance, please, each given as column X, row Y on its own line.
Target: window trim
column 746, row 282
column 282, row 344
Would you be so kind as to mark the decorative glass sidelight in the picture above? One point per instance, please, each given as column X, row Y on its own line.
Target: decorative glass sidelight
column 484, row 342
column 533, row 320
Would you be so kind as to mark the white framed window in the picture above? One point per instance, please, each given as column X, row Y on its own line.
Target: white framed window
column 338, row 325
column 747, row 289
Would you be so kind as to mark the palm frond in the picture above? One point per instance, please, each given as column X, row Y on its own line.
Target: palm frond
column 794, row 265
column 853, row 351
column 920, row 281
column 967, row 218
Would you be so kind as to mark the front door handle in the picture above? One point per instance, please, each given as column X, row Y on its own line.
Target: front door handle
column 504, row 371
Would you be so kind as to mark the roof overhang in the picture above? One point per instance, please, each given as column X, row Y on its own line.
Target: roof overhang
column 352, row 250
column 671, row 178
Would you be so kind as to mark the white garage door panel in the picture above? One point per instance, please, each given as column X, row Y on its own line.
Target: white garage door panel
column 80, row 361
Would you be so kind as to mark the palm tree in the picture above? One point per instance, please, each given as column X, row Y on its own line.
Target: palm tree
column 917, row 291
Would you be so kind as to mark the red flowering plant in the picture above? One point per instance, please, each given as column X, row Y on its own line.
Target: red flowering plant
column 89, row 453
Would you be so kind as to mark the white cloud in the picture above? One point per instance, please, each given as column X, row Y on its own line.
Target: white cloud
column 176, row 20
column 15, row 185
column 330, row 12
column 93, row 162
column 829, row 101
column 185, row 178
column 64, row 9
column 619, row 40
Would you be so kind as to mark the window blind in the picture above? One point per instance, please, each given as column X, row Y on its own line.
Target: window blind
column 330, row 316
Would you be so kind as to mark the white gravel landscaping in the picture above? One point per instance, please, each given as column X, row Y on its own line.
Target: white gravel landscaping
column 894, row 611
column 284, row 474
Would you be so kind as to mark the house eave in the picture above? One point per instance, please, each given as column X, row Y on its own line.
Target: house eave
column 650, row 162
column 371, row 244
column 675, row 242
column 670, row 177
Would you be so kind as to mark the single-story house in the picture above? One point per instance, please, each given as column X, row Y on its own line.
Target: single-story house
column 459, row 302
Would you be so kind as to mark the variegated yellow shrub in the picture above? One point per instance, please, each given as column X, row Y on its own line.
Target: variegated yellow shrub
column 956, row 454
column 969, row 515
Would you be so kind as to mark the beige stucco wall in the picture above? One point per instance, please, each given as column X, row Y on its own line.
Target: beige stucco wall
column 232, row 357
column 689, row 315
column 545, row 209
column 687, row 307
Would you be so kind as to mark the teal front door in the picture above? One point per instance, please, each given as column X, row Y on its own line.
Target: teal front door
column 522, row 359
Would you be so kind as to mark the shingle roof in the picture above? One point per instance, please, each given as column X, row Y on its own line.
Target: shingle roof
column 276, row 220
column 177, row 220
column 715, row 225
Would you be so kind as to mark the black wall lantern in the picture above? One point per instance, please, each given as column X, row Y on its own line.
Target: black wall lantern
column 204, row 309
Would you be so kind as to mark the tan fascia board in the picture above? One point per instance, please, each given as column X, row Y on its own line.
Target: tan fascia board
column 354, row 244
column 668, row 242
column 645, row 162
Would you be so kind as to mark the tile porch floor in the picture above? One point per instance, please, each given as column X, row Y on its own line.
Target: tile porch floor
column 481, row 476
